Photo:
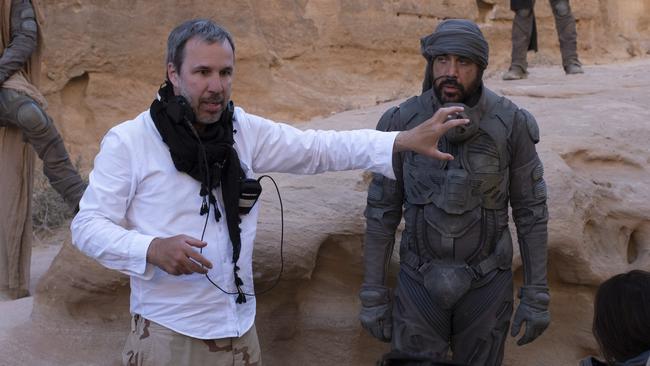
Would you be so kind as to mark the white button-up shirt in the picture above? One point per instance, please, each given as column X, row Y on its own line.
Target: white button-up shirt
column 135, row 194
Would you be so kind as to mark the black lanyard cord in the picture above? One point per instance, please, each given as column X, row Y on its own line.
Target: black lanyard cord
column 277, row 280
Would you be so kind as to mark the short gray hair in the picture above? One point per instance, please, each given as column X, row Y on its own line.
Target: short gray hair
column 207, row 31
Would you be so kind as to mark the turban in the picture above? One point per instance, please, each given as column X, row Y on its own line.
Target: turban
column 458, row 37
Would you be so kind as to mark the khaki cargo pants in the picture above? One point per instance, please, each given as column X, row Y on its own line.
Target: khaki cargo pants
column 150, row 343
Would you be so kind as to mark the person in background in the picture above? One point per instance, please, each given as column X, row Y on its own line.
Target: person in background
column 621, row 323
column 524, row 37
column 25, row 127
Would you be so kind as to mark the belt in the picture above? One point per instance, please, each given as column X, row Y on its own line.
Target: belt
column 479, row 270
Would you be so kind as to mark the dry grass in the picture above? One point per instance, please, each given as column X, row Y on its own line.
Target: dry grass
column 49, row 211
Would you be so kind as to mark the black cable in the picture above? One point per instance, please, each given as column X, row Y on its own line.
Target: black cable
column 277, row 280
column 206, row 210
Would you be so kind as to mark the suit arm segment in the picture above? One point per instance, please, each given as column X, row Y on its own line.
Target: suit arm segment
column 383, row 213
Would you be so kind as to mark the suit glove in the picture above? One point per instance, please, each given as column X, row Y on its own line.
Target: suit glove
column 376, row 311
column 533, row 310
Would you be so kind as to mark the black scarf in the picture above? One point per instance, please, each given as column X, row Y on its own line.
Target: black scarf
column 209, row 157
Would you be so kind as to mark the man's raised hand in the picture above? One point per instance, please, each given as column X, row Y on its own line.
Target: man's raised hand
column 423, row 139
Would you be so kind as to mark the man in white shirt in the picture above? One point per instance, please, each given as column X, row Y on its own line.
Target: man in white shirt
column 162, row 203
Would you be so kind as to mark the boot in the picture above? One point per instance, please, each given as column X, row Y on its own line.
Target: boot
column 573, row 69
column 515, row 73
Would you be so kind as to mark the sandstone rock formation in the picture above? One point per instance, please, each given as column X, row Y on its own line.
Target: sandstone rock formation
column 295, row 59
column 302, row 59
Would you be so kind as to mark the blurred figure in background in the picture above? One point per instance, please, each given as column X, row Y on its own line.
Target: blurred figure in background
column 23, row 122
column 524, row 37
column 622, row 320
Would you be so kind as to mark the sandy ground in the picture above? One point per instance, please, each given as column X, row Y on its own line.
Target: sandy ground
column 43, row 252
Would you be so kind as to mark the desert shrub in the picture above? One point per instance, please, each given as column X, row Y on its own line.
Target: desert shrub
column 49, row 211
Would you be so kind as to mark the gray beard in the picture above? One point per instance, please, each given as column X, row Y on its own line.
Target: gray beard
column 189, row 99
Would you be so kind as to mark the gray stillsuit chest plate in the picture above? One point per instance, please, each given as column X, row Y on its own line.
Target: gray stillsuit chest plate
column 452, row 200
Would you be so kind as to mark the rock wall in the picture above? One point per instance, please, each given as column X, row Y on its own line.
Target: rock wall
column 295, row 59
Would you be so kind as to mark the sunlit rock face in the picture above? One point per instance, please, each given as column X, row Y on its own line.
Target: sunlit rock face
column 104, row 61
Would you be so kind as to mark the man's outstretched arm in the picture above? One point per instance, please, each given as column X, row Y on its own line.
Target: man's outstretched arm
column 530, row 213
column 383, row 215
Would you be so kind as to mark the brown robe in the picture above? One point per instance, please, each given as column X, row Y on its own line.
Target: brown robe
column 16, row 173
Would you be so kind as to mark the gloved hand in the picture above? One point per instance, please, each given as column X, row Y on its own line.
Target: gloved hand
column 532, row 309
column 376, row 311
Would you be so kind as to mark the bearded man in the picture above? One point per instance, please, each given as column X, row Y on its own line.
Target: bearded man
column 169, row 201
column 454, row 294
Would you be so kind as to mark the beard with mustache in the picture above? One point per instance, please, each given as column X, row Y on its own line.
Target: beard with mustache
column 462, row 93
column 204, row 118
